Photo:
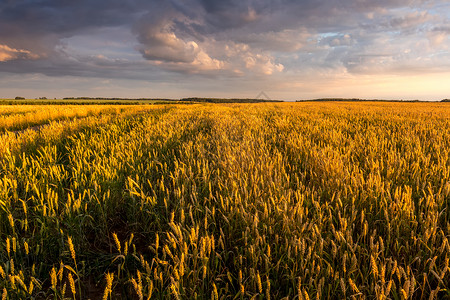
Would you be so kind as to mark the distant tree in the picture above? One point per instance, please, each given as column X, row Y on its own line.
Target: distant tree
column 20, row 98
column 43, row 98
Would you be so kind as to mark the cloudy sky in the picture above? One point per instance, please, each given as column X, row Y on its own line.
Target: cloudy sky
column 291, row 49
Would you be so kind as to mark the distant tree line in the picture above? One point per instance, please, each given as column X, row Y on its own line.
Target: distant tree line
column 224, row 100
column 23, row 98
column 115, row 98
column 354, row 100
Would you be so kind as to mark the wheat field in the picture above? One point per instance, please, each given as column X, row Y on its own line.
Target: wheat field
column 313, row 200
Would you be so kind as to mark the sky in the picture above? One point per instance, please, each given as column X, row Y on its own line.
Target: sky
column 290, row 49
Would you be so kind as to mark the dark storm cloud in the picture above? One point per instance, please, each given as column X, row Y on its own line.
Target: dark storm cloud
column 38, row 25
column 62, row 18
column 53, row 16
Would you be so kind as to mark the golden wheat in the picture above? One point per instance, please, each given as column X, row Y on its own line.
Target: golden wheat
column 319, row 200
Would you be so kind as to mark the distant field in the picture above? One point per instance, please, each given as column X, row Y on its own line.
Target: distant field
column 78, row 101
column 119, row 101
column 313, row 200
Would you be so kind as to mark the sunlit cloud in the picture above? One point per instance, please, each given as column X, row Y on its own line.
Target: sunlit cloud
column 8, row 53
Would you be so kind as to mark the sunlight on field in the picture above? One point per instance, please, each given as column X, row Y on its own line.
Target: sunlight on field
column 299, row 200
column 17, row 117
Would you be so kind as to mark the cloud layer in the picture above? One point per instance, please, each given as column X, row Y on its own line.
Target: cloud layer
column 281, row 44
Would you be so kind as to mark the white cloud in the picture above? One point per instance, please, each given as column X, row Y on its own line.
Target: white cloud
column 243, row 59
column 288, row 40
column 165, row 49
column 411, row 20
column 165, row 43
column 437, row 38
column 160, row 43
column 202, row 63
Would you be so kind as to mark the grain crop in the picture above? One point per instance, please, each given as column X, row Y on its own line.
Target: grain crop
column 313, row 200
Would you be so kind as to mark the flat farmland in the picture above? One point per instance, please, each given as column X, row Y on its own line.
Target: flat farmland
column 310, row 200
